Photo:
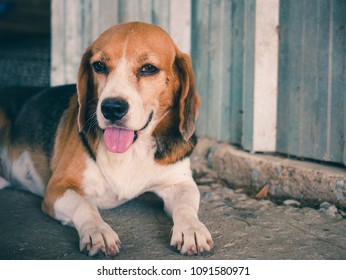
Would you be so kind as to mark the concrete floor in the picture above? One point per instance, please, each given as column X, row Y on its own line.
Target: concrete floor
column 242, row 227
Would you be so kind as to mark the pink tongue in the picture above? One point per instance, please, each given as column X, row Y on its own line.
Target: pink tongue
column 118, row 140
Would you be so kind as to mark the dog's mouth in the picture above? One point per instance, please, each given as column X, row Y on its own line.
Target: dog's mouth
column 119, row 140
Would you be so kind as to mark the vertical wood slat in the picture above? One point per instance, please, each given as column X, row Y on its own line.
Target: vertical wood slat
column 219, row 59
column 337, row 80
column 180, row 23
column 161, row 14
column 67, row 41
column 291, row 92
column 103, row 14
column 341, row 37
column 265, row 76
column 57, row 52
column 200, row 44
column 248, row 74
column 312, row 79
column 73, row 51
column 237, row 69
column 322, row 99
column 308, row 81
column 217, row 54
column 290, row 20
column 132, row 10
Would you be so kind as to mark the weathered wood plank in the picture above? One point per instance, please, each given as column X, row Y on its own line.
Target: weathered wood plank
column 219, row 70
column 236, row 68
column 248, row 74
column 321, row 88
column 307, row 76
column 57, row 75
column 265, row 79
column 161, row 14
column 73, row 39
column 103, row 14
column 180, row 23
column 217, row 52
column 312, row 80
column 290, row 58
column 134, row 10
column 200, row 58
column 337, row 79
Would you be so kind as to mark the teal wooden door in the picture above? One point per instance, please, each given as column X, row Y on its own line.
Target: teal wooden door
column 222, row 50
column 311, row 92
column 312, row 79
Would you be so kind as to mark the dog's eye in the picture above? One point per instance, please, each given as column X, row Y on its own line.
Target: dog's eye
column 148, row 69
column 99, row 67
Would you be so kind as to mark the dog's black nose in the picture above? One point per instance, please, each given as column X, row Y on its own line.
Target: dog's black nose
column 114, row 109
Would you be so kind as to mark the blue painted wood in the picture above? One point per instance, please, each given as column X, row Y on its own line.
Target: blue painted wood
column 312, row 79
column 288, row 86
column 338, row 80
column 219, row 69
column 160, row 14
column 237, row 69
column 218, row 58
column 132, row 10
column 152, row 11
column 248, row 74
column 200, row 58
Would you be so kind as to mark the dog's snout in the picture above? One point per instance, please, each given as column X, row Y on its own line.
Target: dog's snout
column 114, row 109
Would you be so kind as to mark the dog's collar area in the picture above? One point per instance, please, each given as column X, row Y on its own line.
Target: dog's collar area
column 87, row 146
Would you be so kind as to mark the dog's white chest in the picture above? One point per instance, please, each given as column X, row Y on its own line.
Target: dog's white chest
column 116, row 178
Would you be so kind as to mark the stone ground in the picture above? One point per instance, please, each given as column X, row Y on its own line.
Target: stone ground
column 242, row 227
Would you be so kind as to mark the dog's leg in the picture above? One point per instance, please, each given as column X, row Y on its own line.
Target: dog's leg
column 95, row 235
column 189, row 235
column 3, row 161
column 3, row 183
column 4, row 130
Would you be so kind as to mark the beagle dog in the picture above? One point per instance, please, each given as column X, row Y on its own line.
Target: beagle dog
column 127, row 129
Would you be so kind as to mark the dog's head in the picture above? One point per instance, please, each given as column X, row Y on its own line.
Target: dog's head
column 133, row 80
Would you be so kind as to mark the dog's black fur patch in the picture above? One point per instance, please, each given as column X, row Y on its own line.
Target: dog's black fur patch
column 37, row 118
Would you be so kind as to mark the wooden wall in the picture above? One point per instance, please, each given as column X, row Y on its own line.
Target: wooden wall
column 271, row 73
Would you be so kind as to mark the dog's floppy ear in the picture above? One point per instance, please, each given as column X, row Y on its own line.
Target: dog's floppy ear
column 83, row 88
column 189, row 99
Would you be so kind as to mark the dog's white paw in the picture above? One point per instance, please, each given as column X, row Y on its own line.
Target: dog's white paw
column 99, row 238
column 192, row 238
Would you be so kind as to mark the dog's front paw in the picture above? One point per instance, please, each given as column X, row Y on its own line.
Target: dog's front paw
column 192, row 238
column 99, row 238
